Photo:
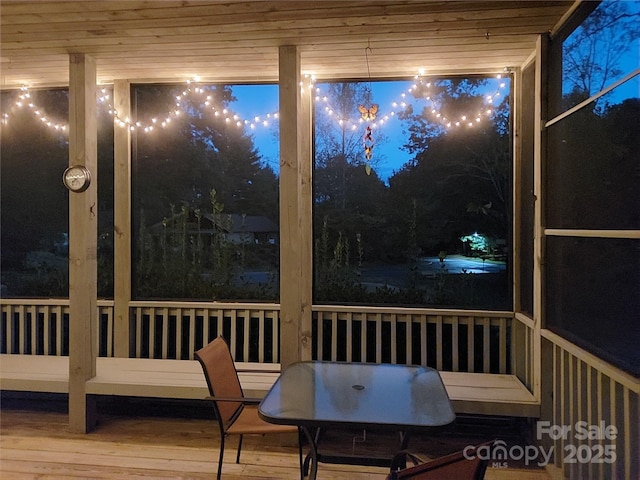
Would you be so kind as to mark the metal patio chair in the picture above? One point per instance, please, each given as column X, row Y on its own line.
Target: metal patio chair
column 236, row 414
column 449, row 467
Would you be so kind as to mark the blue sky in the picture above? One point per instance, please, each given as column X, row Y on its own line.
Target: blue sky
column 260, row 100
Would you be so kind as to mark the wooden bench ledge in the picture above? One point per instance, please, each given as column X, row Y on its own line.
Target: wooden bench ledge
column 134, row 377
column 140, row 377
column 472, row 393
column 490, row 394
column 34, row 373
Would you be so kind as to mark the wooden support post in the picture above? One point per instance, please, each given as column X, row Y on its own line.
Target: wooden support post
column 538, row 215
column 516, row 204
column 83, row 242
column 296, row 240
column 122, row 219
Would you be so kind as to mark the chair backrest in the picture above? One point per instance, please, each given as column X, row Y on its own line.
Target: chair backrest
column 222, row 377
column 454, row 466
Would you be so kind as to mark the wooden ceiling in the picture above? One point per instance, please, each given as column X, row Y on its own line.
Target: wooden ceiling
column 237, row 41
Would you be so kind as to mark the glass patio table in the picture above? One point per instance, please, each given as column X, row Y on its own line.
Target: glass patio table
column 326, row 395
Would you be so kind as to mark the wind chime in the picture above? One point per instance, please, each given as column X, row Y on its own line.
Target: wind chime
column 368, row 114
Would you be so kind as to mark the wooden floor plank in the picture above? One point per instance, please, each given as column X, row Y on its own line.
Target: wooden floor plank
column 39, row 445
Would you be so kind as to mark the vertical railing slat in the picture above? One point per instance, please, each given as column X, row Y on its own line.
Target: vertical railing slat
column 571, row 411
column 614, row 417
column 557, row 408
column 191, row 312
column 21, row 320
column 137, row 321
column 627, row 415
column 455, row 354
column 599, row 412
column 245, row 317
column 173, row 313
column 233, row 336
column 393, row 323
column 378, row 319
column 563, row 391
column 528, row 353
column 502, row 345
column 10, row 332
column 409, row 330
column 588, row 393
column 439, row 342
column 320, row 336
column 486, row 345
column 363, row 337
column 471, row 351
column 206, row 338
column 60, row 311
column 276, row 336
column 423, row 339
column 579, row 408
column 32, row 319
column 46, row 334
column 334, row 336
column 164, row 325
column 261, row 336
column 220, row 323
column 110, row 330
column 152, row 334
column 349, row 334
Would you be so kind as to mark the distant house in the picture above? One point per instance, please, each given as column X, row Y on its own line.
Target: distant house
column 238, row 228
column 235, row 228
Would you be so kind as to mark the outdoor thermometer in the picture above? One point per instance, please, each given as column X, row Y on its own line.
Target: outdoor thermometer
column 76, row 178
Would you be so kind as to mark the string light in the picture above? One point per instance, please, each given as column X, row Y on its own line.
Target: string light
column 401, row 104
column 198, row 94
column 24, row 101
column 205, row 102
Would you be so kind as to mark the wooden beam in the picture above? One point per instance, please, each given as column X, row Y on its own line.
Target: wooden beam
column 83, row 241
column 122, row 219
column 538, row 215
column 295, row 210
column 516, row 204
column 305, row 159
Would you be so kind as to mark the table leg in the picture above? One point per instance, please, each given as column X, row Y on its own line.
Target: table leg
column 404, row 444
column 312, row 456
column 404, row 440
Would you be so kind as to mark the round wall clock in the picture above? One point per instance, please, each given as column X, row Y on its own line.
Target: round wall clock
column 76, row 178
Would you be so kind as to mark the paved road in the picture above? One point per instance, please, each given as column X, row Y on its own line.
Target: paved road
column 458, row 264
column 396, row 275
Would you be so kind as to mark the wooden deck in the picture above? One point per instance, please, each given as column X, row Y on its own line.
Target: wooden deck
column 39, row 444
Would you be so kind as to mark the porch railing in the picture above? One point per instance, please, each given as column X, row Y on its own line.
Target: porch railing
column 175, row 330
column 41, row 327
column 451, row 340
column 590, row 399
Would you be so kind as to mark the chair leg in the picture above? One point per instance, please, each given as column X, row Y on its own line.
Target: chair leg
column 221, row 456
column 300, row 453
column 239, row 448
